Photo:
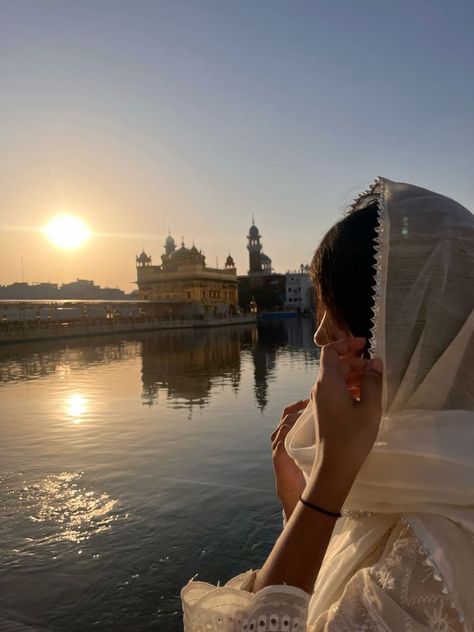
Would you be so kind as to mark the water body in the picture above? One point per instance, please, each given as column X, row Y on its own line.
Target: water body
column 129, row 464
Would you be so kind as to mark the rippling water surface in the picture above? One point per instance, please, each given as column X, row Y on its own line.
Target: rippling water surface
column 129, row 464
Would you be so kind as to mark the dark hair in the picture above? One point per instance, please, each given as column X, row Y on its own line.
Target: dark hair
column 343, row 270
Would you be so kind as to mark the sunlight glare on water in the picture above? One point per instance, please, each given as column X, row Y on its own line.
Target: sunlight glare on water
column 76, row 407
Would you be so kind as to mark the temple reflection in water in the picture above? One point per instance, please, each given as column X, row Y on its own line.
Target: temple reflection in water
column 267, row 341
column 187, row 366
column 179, row 367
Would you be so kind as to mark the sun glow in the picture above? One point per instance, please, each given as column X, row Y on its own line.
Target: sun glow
column 76, row 407
column 67, row 232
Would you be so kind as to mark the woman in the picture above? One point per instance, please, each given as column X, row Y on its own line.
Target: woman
column 392, row 453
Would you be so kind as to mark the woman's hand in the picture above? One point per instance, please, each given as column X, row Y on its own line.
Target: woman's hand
column 289, row 480
column 346, row 427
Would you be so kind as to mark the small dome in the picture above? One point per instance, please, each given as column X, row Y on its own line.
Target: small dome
column 229, row 262
column 253, row 232
column 264, row 258
column 170, row 245
column 194, row 250
column 143, row 259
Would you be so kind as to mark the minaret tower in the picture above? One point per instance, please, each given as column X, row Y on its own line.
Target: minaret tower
column 255, row 250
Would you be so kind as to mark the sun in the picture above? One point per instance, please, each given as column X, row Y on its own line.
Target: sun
column 67, row 232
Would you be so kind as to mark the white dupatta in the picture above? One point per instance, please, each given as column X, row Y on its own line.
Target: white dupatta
column 422, row 465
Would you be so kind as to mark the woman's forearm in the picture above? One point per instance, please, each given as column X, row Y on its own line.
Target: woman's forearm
column 299, row 551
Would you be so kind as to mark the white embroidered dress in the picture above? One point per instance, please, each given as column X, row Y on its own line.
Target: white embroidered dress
column 402, row 557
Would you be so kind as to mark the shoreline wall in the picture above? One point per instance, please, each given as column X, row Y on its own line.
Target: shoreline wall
column 33, row 331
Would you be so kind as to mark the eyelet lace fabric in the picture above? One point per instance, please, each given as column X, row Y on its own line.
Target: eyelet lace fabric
column 401, row 592
column 232, row 608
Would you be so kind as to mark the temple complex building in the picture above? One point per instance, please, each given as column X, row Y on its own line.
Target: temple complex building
column 185, row 284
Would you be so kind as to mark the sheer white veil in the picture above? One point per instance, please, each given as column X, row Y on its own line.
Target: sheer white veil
column 422, row 465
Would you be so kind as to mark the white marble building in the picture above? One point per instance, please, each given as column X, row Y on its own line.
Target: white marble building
column 299, row 290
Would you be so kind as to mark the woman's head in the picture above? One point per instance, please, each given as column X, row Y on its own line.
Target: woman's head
column 343, row 274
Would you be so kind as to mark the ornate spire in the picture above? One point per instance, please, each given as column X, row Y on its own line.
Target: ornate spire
column 143, row 260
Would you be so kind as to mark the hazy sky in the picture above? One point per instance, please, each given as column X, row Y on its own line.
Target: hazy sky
column 142, row 114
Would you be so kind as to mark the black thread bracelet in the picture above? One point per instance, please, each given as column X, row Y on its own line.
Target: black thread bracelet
column 332, row 514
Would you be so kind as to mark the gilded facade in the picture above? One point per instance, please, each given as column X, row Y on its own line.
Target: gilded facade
column 184, row 279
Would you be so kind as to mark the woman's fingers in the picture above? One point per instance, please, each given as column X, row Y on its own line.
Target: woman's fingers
column 331, row 352
column 279, row 454
column 281, row 433
column 287, row 422
column 342, row 370
column 293, row 408
column 336, row 359
column 277, row 448
column 335, row 366
column 351, row 366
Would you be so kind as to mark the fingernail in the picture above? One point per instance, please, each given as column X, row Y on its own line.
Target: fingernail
column 377, row 365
